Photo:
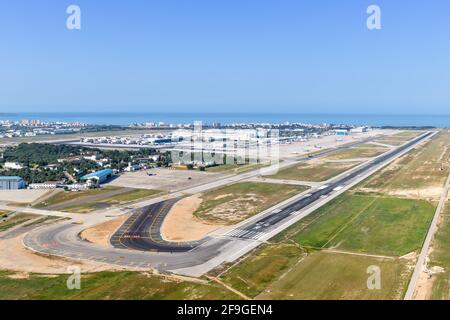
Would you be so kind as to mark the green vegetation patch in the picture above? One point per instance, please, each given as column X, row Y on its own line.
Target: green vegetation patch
column 108, row 286
column 399, row 138
column 65, row 196
column 332, row 276
column 16, row 220
column 366, row 224
column 440, row 257
column 262, row 267
column 234, row 203
column 123, row 198
column 392, row 142
column 4, row 214
column 235, row 168
column 358, row 152
column 314, row 171
column 423, row 167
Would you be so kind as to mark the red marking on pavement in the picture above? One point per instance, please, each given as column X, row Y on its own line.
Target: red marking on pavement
column 131, row 236
column 50, row 244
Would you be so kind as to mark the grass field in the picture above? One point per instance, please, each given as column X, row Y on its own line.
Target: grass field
column 262, row 267
column 359, row 223
column 120, row 199
column 422, row 168
column 15, row 221
column 392, row 142
column 108, row 286
column 398, row 138
column 314, row 171
column 407, row 134
column 235, row 168
column 65, row 196
column 86, row 203
column 4, row 213
column 237, row 202
column 366, row 224
column 331, row 276
column 358, row 152
column 441, row 257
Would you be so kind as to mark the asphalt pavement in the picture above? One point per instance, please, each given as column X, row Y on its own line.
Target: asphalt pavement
column 139, row 247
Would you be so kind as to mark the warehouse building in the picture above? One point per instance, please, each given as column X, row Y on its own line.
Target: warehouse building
column 341, row 132
column 99, row 177
column 11, row 183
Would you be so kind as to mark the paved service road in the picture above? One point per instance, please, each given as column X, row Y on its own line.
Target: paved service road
column 62, row 239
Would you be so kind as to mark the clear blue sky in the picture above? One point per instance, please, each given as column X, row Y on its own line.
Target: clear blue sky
column 264, row 56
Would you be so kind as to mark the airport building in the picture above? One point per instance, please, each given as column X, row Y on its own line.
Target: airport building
column 341, row 132
column 359, row 129
column 99, row 177
column 11, row 183
column 13, row 165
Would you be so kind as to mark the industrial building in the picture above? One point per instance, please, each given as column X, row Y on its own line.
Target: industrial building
column 359, row 130
column 11, row 183
column 13, row 165
column 99, row 177
column 341, row 132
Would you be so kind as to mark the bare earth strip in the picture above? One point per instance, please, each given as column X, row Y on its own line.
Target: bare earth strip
column 13, row 256
column 181, row 225
column 101, row 233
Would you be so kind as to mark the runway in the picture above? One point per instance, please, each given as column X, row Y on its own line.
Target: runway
column 142, row 230
column 257, row 229
column 138, row 242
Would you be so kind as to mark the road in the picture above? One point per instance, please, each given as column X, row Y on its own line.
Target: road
column 195, row 260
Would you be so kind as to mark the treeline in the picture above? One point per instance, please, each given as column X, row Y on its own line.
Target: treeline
column 36, row 176
column 31, row 154
column 41, row 160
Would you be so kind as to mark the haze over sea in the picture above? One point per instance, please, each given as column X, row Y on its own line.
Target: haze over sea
column 228, row 118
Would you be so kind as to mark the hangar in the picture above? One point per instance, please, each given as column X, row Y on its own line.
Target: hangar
column 99, row 177
column 11, row 183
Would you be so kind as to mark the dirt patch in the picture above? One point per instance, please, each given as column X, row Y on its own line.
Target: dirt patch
column 19, row 276
column 236, row 210
column 410, row 256
column 223, row 196
column 14, row 256
column 426, row 193
column 101, row 233
column 181, row 225
column 433, row 193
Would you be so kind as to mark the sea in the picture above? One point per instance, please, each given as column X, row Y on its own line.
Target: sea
column 125, row 119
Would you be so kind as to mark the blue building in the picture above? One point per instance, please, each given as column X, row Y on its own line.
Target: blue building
column 99, row 177
column 11, row 183
column 341, row 132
